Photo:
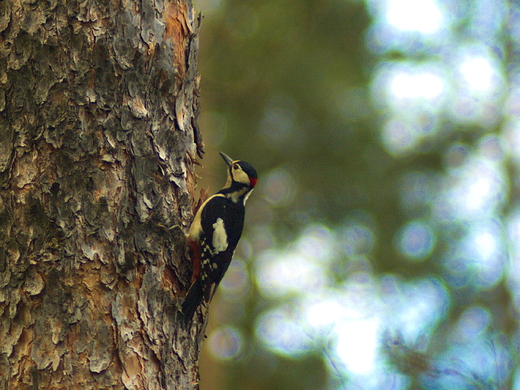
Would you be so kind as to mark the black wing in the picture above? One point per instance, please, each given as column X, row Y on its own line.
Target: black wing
column 214, row 264
column 232, row 215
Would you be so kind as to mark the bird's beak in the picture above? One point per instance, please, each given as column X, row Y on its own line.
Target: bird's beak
column 227, row 159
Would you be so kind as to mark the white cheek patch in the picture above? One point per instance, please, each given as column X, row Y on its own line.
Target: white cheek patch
column 220, row 242
column 240, row 176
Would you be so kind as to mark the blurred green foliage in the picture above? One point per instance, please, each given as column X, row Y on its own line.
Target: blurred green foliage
column 289, row 81
column 386, row 157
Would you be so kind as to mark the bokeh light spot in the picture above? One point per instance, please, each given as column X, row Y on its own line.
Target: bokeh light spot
column 413, row 308
column 477, row 258
column 356, row 239
column 478, row 85
column 422, row 85
column 511, row 135
column 416, row 240
column 513, row 234
column 279, row 331
column 410, row 89
column 279, row 120
column 422, row 16
column 399, row 136
column 316, row 242
column 282, row 272
column 357, row 344
column 478, row 73
column 235, row 284
column 324, row 313
column 473, row 190
column 456, row 155
column 226, row 343
column 472, row 323
column 279, row 187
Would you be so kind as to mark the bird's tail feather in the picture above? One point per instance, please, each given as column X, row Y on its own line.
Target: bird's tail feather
column 192, row 301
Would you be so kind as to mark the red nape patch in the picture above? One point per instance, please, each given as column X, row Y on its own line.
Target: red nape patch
column 252, row 181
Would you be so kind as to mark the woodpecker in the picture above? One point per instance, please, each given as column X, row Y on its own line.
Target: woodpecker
column 214, row 234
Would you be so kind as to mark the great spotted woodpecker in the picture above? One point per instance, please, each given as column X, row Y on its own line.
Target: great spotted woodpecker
column 214, row 234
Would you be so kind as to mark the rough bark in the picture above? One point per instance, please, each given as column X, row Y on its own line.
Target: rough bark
column 98, row 109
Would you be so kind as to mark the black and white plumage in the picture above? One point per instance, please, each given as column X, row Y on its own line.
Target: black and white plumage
column 214, row 234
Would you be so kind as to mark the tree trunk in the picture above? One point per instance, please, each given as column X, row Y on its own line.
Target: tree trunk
column 98, row 109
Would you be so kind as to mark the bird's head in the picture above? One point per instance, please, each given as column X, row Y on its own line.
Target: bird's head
column 240, row 173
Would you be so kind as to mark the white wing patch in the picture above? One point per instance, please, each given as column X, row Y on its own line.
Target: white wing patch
column 220, row 242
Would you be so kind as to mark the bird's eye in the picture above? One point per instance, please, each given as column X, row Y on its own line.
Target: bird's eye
column 236, row 166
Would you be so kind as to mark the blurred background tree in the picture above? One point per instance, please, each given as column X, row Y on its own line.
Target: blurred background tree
column 382, row 244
